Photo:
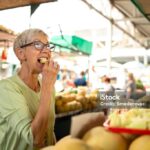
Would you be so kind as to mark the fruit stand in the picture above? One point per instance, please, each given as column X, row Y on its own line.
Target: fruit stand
column 123, row 129
column 71, row 103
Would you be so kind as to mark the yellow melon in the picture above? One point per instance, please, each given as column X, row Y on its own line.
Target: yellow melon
column 100, row 138
column 72, row 144
column 141, row 143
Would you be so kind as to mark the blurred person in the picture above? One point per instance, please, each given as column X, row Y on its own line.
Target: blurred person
column 108, row 87
column 103, row 78
column 27, row 102
column 70, row 82
column 130, row 87
column 81, row 80
column 67, row 82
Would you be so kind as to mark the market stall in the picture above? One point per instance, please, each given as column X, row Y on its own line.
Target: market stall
column 7, row 37
column 122, row 123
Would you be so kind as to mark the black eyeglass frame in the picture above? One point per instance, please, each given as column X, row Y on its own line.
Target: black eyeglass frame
column 50, row 48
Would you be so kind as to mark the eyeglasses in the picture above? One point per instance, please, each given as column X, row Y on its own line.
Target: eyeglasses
column 40, row 45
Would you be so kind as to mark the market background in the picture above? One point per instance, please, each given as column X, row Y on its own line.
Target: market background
column 100, row 37
column 76, row 18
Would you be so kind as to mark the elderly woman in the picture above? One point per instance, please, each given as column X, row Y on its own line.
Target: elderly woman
column 27, row 112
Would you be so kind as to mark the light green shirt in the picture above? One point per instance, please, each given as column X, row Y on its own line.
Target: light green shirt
column 18, row 107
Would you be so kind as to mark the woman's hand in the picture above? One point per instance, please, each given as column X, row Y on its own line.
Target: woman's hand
column 49, row 73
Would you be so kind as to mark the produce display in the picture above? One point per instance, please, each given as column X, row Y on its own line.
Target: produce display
column 100, row 138
column 76, row 99
column 133, row 118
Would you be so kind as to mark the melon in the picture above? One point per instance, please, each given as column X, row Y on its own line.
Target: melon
column 141, row 143
column 100, row 138
column 72, row 144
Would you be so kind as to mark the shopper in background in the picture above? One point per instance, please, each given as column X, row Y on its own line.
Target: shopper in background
column 27, row 103
column 81, row 81
column 108, row 87
column 130, row 87
column 67, row 82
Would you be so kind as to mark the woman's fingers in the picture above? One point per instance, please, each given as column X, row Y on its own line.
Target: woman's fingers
column 50, row 71
column 51, row 65
column 55, row 65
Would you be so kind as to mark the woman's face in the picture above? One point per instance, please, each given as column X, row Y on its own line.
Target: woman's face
column 33, row 55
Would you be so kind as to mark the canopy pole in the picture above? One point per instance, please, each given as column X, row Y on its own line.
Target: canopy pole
column 145, row 58
column 109, row 40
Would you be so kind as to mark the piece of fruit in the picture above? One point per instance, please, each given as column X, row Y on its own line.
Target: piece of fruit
column 133, row 118
column 72, row 144
column 115, row 120
column 43, row 60
column 49, row 148
column 100, row 138
column 141, row 143
column 138, row 123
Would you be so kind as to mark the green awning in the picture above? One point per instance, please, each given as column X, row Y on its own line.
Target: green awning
column 73, row 43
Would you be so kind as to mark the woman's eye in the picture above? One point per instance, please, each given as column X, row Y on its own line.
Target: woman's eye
column 39, row 45
column 48, row 46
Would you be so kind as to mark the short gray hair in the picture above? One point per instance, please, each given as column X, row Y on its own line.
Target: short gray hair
column 26, row 36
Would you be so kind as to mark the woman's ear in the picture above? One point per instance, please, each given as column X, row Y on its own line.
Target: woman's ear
column 20, row 53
